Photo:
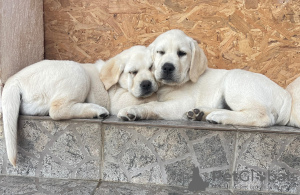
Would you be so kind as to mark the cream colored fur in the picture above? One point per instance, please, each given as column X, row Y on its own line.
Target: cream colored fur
column 123, row 76
column 294, row 89
column 55, row 88
column 194, row 91
column 66, row 89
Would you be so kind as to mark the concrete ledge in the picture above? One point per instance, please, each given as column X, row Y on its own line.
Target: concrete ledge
column 30, row 185
column 190, row 155
column 200, row 125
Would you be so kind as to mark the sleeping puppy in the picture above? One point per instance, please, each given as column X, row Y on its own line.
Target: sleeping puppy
column 67, row 89
column 129, row 79
column 55, row 88
column 192, row 90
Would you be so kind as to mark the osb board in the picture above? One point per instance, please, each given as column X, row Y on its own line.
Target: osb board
column 257, row 35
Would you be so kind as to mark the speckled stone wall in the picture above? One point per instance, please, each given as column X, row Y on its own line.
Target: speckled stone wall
column 56, row 149
column 258, row 161
column 193, row 156
column 162, row 155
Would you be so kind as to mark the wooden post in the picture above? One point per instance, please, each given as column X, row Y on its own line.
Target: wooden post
column 21, row 36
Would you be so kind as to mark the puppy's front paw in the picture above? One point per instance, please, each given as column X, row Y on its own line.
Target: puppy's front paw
column 217, row 117
column 128, row 114
column 195, row 114
column 102, row 113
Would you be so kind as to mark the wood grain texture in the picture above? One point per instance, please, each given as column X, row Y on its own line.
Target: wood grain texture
column 255, row 35
column 21, row 35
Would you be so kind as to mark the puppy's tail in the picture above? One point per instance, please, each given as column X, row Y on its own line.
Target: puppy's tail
column 294, row 90
column 11, row 99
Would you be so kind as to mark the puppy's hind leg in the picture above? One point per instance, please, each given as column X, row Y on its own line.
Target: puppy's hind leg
column 63, row 109
column 250, row 117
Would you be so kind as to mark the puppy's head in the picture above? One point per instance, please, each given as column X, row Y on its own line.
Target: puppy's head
column 132, row 70
column 177, row 58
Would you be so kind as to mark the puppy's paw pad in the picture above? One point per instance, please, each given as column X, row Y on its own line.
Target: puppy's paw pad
column 196, row 111
column 190, row 114
column 128, row 114
column 99, row 112
column 101, row 115
column 195, row 114
column 131, row 116
column 212, row 121
column 104, row 115
column 124, row 118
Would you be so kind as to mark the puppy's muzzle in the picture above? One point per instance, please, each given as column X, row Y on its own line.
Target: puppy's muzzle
column 167, row 71
column 146, row 87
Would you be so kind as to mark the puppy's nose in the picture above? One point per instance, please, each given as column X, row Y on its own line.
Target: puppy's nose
column 168, row 68
column 146, row 85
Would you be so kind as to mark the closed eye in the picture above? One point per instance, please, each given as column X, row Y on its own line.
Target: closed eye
column 134, row 72
column 161, row 52
column 181, row 53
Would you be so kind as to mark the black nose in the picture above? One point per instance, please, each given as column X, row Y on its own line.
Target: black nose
column 168, row 68
column 146, row 85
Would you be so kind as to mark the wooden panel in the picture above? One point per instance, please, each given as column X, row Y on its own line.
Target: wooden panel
column 260, row 36
column 21, row 35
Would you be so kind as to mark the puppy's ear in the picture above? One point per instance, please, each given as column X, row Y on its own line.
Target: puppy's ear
column 198, row 62
column 151, row 49
column 110, row 72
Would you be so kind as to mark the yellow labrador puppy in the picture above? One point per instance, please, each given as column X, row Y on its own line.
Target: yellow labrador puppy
column 50, row 87
column 67, row 89
column 191, row 89
column 129, row 79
